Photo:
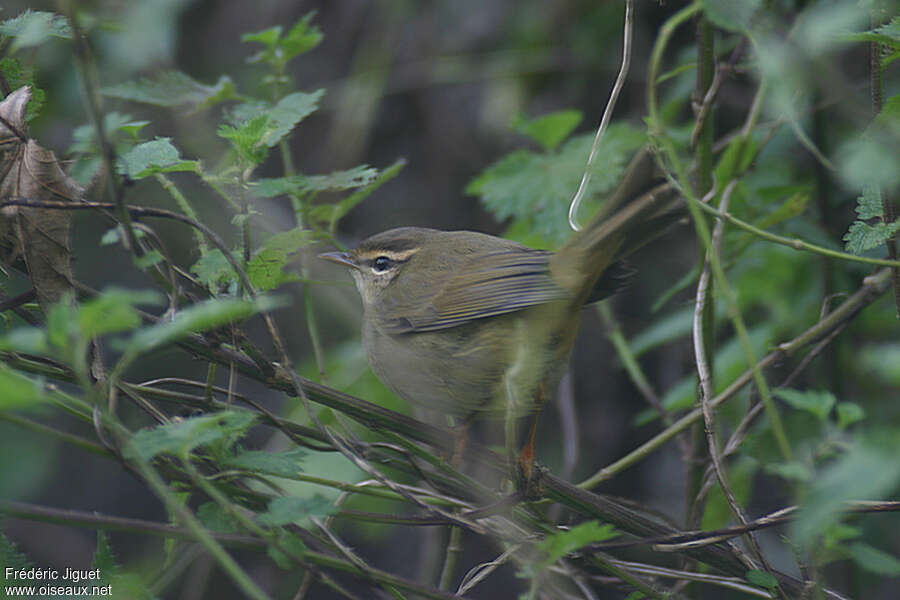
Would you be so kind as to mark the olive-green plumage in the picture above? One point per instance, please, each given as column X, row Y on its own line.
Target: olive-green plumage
column 460, row 321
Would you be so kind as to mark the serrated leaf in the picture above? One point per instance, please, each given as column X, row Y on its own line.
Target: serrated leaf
column 733, row 15
column 538, row 187
column 301, row 184
column 818, row 403
column 560, row 544
column 199, row 317
column 285, row 115
column 332, row 213
column 849, row 413
column 19, row 390
column 215, row 518
column 301, row 38
column 157, row 156
column 874, row 560
column 862, row 236
column 867, row 471
column 183, row 436
column 869, row 205
column 889, row 34
column 172, row 89
column 550, row 130
column 214, row 270
column 266, row 268
column 34, row 27
column 282, row 464
column 112, row 311
column 246, row 138
column 290, row 509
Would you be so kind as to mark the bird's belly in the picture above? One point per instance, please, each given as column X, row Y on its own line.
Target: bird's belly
column 474, row 367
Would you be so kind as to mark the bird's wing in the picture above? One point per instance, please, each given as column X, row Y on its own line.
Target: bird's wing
column 493, row 283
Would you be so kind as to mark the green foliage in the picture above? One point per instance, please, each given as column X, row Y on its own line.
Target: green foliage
column 533, row 189
column 550, row 130
column 286, row 510
column 281, row 464
column 113, row 311
column 150, row 158
column 733, row 15
column 863, row 236
column 199, row 317
column 874, row 560
column 19, row 391
column 869, row 470
column 266, row 268
column 561, row 543
column 174, row 89
column 281, row 49
column 33, row 28
column 18, row 74
column 180, row 437
column 818, row 403
column 762, row 579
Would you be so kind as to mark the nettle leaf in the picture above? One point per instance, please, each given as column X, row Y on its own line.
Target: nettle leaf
column 199, row 317
column 214, row 270
column 113, row 310
column 266, row 268
column 733, row 15
column 19, row 391
column 537, row 187
column 862, row 236
column 150, row 158
column 246, row 138
column 818, row 403
column 301, row 38
column 281, row 464
column 331, row 213
column 291, row 509
column 300, row 184
column 562, row 543
column 172, row 89
column 889, row 34
column 550, row 130
column 34, row 27
column 285, row 115
column 866, row 472
column 215, row 518
column 185, row 435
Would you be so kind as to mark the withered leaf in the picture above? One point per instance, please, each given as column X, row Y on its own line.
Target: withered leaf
column 40, row 237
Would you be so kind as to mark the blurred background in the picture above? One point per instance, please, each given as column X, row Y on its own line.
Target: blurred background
column 442, row 84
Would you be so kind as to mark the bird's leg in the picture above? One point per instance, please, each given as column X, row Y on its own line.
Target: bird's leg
column 527, row 471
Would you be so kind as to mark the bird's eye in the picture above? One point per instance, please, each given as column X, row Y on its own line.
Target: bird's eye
column 382, row 264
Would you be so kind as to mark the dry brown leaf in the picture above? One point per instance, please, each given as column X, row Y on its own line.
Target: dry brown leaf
column 39, row 236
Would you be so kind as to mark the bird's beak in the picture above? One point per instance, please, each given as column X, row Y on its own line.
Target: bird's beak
column 342, row 258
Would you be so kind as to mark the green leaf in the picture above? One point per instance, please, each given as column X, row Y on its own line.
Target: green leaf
column 112, row 311
column 849, row 413
column 862, row 236
column 32, row 340
column 300, row 184
column 874, row 560
column 246, row 138
column 281, row 464
column 561, row 543
column 867, row 471
column 733, row 15
column 332, row 213
column 664, row 329
column 266, row 268
column 791, row 471
column 870, row 204
column 816, row 403
column 199, row 317
column 214, row 270
column 183, row 436
column 285, row 115
column 762, row 579
column 290, row 509
column 157, row 156
column 301, row 38
column 292, row 544
column 34, row 27
column 889, row 34
column 172, row 89
column 537, row 187
column 550, row 130
column 19, row 391
column 104, row 559
column 215, row 518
